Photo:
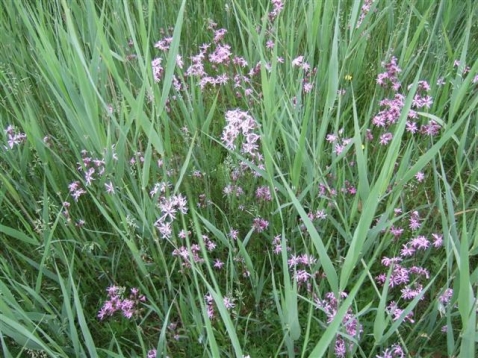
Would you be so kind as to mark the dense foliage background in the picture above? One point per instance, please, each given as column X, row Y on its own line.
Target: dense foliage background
column 238, row 178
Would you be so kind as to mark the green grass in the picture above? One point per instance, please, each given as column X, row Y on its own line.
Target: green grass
column 275, row 243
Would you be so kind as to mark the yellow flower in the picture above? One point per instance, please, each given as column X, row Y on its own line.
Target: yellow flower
column 348, row 77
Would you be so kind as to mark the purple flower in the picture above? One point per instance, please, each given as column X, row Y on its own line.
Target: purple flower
column 396, row 231
column 389, row 79
column 438, row 240
column 14, row 137
column 307, row 260
column 241, row 62
column 127, row 306
column 74, row 186
column 233, row 234
column 366, row 6
column 116, row 302
column 340, row 349
column 414, row 221
column 320, row 215
column 431, row 129
column 445, row 297
column 396, row 312
column 400, row 275
column 293, row 261
column 302, row 276
column 77, row 193
column 409, row 294
column 308, row 87
column 152, row 353
column 163, row 45
column 263, row 193
column 210, row 311
column 164, row 228
column 389, row 261
column 218, row 264
column 395, row 351
column 210, row 245
column 420, row 271
column 420, row 176
column 407, row 251
column 110, row 188
column 157, row 69
column 386, row 138
column 330, row 306
column 420, row 243
column 278, row 6
column 219, row 35
column 228, row 302
column 221, row 54
column 259, row 224
column 298, row 61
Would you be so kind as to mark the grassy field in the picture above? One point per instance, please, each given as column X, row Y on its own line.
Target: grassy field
column 238, row 178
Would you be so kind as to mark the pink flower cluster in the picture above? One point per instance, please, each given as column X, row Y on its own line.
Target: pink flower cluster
column 260, row 224
column 277, row 7
column 215, row 65
column 393, row 106
column 303, row 259
column 157, row 69
column 14, row 137
column 402, row 275
column 350, row 323
column 395, row 351
column 240, row 131
column 408, row 278
column 309, row 74
column 116, row 302
column 393, row 310
column 229, row 303
column 367, row 4
column 445, row 297
column 163, row 45
column 183, row 253
column 211, row 65
column 91, row 166
column 233, row 189
column 189, row 255
column 92, row 169
column 389, row 78
column 76, row 190
column 263, row 193
column 301, row 266
column 240, row 123
column 277, row 245
column 152, row 353
column 338, row 141
column 169, row 207
column 422, row 99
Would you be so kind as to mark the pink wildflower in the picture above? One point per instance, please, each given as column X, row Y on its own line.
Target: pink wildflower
column 298, row 61
column 110, row 188
column 259, row 224
column 438, row 240
column 385, row 138
column 229, row 302
column 218, row 264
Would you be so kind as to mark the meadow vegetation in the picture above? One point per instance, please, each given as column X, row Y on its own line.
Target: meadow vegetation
column 238, row 178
